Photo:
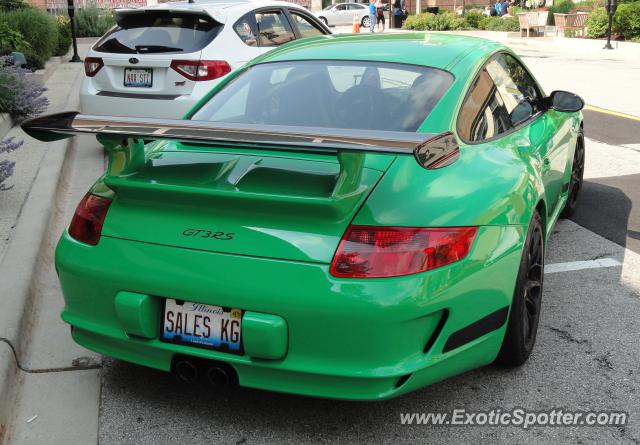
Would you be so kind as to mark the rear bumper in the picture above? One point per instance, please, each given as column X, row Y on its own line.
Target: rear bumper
column 132, row 105
column 353, row 339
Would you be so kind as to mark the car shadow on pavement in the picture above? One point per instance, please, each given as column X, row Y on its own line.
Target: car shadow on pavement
column 606, row 208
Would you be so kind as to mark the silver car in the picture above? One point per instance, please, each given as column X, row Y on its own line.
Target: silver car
column 343, row 13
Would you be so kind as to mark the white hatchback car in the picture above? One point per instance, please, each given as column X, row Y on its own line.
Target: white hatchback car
column 160, row 61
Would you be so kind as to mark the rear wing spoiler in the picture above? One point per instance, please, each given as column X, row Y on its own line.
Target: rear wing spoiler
column 430, row 151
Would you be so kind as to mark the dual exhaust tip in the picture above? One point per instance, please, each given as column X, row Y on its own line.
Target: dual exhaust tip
column 192, row 369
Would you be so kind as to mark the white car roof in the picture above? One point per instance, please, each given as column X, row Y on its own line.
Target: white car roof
column 220, row 10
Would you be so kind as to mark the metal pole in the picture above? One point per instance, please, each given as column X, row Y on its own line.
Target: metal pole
column 71, row 10
column 608, row 45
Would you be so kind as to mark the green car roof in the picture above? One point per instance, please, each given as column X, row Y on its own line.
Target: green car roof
column 417, row 48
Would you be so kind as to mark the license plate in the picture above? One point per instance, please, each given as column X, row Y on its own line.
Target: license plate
column 138, row 77
column 202, row 325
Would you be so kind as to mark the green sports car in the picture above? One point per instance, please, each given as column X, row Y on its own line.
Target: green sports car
column 346, row 216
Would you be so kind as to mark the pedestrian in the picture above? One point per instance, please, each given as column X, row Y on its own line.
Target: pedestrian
column 487, row 11
column 498, row 7
column 504, row 8
column 398, row 15
column 380, row 15
column 372, row 15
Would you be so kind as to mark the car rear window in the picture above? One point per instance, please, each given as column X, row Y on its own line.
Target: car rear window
column 159, row 32
column 331, row 94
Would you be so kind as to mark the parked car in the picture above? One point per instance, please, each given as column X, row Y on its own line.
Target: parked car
column 349, row 217
column 343, row 13
column 160, row 61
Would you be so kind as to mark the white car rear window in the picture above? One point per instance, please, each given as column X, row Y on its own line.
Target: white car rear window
column 146, row 32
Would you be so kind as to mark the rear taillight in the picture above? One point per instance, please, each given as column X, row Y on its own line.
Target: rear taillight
column 86, row 224
column 201, row 70
column 375, row 252
column 92, row 65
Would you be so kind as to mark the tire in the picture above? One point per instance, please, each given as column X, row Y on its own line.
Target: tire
column 524, row 317
column 365, row 22
column 324, row 20
column 577, row 175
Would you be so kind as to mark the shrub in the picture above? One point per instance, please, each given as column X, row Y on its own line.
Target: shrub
column 435, row 22
column 6, row 167
column 38, row 29
column 514, row 10
column 560, row 7
column 92, row 21
column 20, row 92
column 505, row 24
column 418, row 21
column 627, row 20
column 597, row 23
column 473, row 19
column 64, row 35
column 12, row 5
column 11, row 40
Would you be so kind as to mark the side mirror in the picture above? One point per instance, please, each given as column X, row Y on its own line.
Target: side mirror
column 522, row 112
column 565, row 101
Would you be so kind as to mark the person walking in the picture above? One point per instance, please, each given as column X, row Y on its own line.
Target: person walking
column 380, row 15
column 372, row 15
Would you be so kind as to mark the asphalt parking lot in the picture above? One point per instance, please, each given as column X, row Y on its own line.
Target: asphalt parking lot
column 586, row 357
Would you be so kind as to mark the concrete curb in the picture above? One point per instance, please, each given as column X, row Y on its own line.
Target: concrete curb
column 22, row 257
column 18, row 266
column 5, row 125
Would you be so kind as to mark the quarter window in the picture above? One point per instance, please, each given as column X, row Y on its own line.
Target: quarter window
column 483, row 114
column 306, row 28
column 246, row 30
column 273, row 28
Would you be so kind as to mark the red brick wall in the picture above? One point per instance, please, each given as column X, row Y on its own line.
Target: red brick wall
column 38, row 3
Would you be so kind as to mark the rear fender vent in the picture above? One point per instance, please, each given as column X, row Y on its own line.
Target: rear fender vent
column 437, row 331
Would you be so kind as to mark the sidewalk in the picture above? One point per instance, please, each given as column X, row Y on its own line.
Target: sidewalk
column 27, row 224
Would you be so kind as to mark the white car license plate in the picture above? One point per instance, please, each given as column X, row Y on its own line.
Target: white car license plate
column 203, row 325
column 138, row 77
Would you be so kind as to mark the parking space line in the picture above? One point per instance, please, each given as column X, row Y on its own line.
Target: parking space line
column 611, row 112
column 579, row 265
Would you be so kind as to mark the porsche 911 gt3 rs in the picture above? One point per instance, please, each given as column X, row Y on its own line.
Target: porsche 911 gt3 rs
column 346, row 216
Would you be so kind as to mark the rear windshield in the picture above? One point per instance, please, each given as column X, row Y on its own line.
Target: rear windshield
column 159, row 32
column 330, row 94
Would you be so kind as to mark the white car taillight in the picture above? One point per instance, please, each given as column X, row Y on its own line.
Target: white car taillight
column 92, row 65
column 201, row 70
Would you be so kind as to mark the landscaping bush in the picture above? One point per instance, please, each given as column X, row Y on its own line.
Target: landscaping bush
column 92, row 21
column 597, row 23
column 11, row 40
column 20, row 92
column 472, row 19
column 38, row 29
column 64, row 35
column 560, row 7
column 435, row 22
column 627, row 20
column 12, row 5
column 505, row 24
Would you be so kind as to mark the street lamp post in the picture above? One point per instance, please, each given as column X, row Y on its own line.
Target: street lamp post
column 71, row 10
column 611, row 7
